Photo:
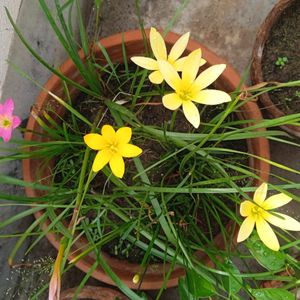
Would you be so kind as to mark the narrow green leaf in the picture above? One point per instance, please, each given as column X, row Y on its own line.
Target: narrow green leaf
column 124, row 55
column 98, row 3
column 24, row 236
column 19, row 182
column 119, row 283
column 19, row 216
column 176, row 15
column 122, row 110
column 82, row 31
column 71, row 109
column 110, row 63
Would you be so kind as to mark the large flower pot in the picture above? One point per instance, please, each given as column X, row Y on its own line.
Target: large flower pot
column 257, row 74
column 228, row 81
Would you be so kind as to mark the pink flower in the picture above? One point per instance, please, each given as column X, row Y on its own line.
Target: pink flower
column 8, row 121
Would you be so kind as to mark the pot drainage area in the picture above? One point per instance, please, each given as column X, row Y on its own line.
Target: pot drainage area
column 228, row 27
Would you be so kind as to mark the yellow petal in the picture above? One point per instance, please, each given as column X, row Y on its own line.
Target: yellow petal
column 117, row 165
column 108, row 133
column 276, row 201
column 101, row 159
column 191, row 67
column 282, row 221
column 178, row 64
column 129, row 150
column 202, row 62
column 169, row 74
column 158, row 45
column 260, row 194
column 156, row 77
column 211, row 97
column 208, row 76
column 171, row 101
column 246, row 208
column 267, row 235
column 245, row 229
column 95, row 141
column 191, row 113
column 123, row 135
column 179, row 47
column 145, row 62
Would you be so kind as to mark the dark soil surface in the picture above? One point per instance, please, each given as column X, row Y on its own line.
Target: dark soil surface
column 284, row 42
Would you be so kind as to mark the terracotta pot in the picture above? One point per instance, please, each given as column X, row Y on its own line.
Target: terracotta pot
column 257, row 54
column 228, row 81
column 93, row 292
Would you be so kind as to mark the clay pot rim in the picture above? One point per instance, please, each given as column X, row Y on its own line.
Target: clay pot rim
column 259, row 146
column 256, row 72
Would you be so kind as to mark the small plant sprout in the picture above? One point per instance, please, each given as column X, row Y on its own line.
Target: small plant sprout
column 281, row 61
column 259, row 213
column 8, row 122
column 159, row 49
column 297, row 94
column 112, row 146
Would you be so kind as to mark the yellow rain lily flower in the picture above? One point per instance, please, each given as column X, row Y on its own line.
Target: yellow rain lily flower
column 258, row 214
column 113, row 146
column 190, row 89
column 159, row 49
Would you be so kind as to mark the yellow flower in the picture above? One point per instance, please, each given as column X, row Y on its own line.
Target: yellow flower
column 189, row 89
column 159, row 49
column 258, row 214
column 112, row 146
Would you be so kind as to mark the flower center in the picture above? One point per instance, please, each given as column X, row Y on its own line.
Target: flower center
column 113, row 147
column 185, row 95
column 171, row 61
column 5, row 122
column 257, row 211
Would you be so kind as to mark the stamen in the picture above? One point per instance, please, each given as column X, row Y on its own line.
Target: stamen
column 5, row 122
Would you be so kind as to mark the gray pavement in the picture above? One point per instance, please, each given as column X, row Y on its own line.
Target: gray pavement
column 226, row 26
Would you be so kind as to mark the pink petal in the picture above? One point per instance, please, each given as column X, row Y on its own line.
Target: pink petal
column 8, row 107
column 5, row 133
column 16, row 121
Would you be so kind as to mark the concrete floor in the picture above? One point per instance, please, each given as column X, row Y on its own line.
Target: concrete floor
column 6, row 34
column 226, row 26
